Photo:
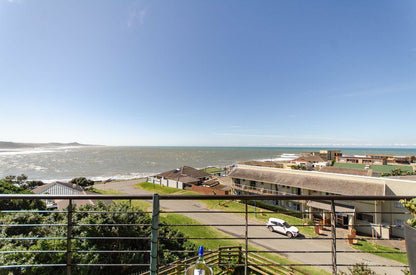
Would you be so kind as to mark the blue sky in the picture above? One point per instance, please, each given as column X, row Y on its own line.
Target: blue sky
column 209, row 73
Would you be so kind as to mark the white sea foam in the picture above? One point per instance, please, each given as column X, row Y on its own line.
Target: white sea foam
column 282, row 157
column 24, row 152
column 129, row 176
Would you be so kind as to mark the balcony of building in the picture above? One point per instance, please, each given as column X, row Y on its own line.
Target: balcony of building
column 243, row 243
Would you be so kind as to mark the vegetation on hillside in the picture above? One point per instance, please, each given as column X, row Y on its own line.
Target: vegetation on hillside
column 9, row 186
column 83, row 182
column 22, row 182
column 88, row 239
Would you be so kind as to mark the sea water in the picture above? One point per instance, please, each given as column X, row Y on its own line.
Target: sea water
column 105, row 162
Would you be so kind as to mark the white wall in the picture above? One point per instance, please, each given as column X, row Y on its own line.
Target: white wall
column 165, row 182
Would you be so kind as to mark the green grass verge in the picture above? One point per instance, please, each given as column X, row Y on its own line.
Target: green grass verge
column 349, row 165
column 375, row 167
column 213, row 244
column 142, row 205
column 389, row 168
column 210, row 232
column 156, row 188
column 163, row 190
column 199, row 231
column 105, row 192
column 371, row 248
column 260, row 216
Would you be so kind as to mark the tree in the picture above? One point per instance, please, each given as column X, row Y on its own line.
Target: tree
column 83, row 182
column 89, row 238
column 22, row 181
column 32, row 184
column 359, row 269
column 8, row 188
column 17, row 180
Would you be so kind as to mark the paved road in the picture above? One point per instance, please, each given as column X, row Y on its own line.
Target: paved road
column 318, row 250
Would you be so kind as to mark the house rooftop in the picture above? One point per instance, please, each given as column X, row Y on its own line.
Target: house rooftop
column 348, row 171
column 185, row 174
column 318, row 181
column 343, row 184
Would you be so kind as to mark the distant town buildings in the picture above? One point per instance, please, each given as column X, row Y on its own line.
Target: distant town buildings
column 377, row 159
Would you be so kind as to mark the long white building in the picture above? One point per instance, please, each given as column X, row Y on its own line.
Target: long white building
column 381, row 217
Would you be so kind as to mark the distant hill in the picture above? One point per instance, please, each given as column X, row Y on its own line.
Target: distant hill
column 15, row 145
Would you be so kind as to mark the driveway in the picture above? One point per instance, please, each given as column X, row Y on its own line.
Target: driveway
column 314, row 251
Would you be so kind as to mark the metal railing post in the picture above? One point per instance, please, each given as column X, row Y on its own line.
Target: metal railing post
column 68, row 239
column 246, row 239
column 334, row 238
column 154, row 236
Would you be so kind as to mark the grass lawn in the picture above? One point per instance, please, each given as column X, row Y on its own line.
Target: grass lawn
column 389, row 168
column 156, row 188
column 371, row 248
column 235, row 206
column 142, row 205
column 199, row 231
column 213, row 244
column 105, row 192
column 375, row 167
column 211, row 232
column 349, row 165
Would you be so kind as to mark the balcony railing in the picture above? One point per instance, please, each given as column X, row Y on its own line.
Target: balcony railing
column 260, row 190
column 326, row 250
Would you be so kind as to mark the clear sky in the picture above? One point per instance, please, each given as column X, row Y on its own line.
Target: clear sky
column 209, row 73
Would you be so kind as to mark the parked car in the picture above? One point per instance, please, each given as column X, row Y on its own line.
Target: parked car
column 282, row 227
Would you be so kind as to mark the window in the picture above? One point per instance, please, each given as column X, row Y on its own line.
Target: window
column 397, row 204
column 252, row 183
column 237, row 181
column 399, row 223
column 365, row 217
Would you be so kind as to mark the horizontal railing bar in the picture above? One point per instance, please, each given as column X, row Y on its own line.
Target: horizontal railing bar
column 214, row 212
column 32, row 211
column 283, row 237
column 111, row 212
column 34, row 224
column 110, row 238
column 209, row 197
column 265, row 225
column 33, row 238
column 375, row 265
column 112, row 224
column 281, row 212
column 322, row 251
column 31, row 265
column 190, row 251
column 275, row 265
column 32, row 251
column 168, row 225
column 112, row 251
column 110, row 264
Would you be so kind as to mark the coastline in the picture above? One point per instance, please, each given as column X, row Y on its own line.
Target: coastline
column 120, row 163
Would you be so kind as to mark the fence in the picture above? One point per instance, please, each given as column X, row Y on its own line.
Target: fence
column 260, row 248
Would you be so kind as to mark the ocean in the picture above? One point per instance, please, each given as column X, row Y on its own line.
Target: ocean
column 105, row 162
